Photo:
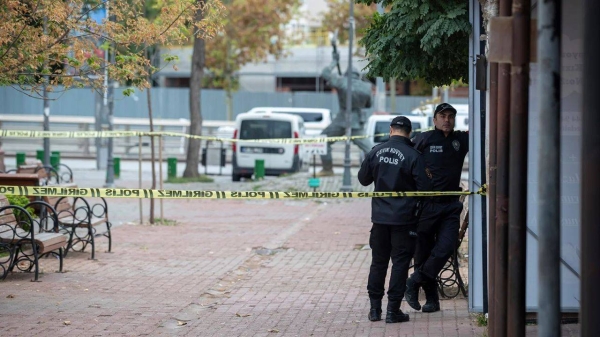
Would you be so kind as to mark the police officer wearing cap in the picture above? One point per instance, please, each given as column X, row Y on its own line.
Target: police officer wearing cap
column 393, row 166
column 444, row 151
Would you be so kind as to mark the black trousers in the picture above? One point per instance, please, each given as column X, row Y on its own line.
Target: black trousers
column 395, row 242
column 437, row 236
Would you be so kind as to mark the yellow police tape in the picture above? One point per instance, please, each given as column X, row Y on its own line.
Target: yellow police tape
column 117, row 134
column 48, row 191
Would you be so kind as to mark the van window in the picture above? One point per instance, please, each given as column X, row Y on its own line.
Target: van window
column 384, row 127
column 307, row 116
column 265, row 129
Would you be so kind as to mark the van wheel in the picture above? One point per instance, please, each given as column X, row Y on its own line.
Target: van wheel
column 236, row 177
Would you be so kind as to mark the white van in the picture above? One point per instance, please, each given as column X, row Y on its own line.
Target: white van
column 279, row 158
column 315, row 120
column 462, row 115
column 380, row 124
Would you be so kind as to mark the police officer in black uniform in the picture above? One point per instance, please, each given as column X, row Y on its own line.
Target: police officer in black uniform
column 393, row 166
column 444, row 151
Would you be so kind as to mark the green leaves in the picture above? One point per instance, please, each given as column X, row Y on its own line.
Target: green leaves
column 128, row 92
column 70, row 48
column 171, row 58
column 419, row 39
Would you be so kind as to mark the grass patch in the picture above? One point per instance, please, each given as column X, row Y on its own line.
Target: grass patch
column 257, row 187
column 182, row 180
column 481, row 320
column 165, row 222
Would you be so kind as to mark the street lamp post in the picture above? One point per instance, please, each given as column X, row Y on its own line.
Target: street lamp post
column 46, row 112
column 380, row 92
column 108, row 105
column 347, row 181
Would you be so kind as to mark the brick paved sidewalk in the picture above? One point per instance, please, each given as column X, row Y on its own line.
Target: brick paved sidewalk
column 228, row 268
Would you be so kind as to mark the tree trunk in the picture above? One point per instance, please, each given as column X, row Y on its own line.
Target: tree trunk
column 229, row 102
column 193, row 150
column 152, row 155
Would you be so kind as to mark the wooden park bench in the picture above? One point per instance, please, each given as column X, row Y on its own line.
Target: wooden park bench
column 24, row 240
column 20, row 179
column 47, row 174
column 82, row 221
column 78, row 219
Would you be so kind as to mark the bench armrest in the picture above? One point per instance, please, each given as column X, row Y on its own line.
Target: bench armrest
column 47, row 220
column 16, row 224
column 100, row 209
column 77, row 209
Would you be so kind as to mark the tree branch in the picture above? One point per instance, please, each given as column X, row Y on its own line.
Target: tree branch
column 14, row 42
column 175, row 20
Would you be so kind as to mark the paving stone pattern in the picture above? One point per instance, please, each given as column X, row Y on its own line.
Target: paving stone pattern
column 226, row 268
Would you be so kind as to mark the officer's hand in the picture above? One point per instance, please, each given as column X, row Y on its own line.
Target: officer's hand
column 335, row 56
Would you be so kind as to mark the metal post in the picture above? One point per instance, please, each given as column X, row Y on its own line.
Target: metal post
column 446, row 93
column 110, row 175
column 46, row 113
column 98, row 127
column 517, row 205
column 347, row 182
column 392, row 95
column 484, row 164
column 502, row 161
column 108, row 103
column 314, row 170
column 548, row 157
column 140, row 178
column 492, row 141
column 590, row 166
column 160, row 172
column 380, row 86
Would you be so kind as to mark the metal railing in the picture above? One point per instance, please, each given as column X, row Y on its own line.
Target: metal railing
column 173, row 146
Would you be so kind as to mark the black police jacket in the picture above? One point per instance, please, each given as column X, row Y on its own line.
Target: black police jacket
column 394, row 166
column 444, row 157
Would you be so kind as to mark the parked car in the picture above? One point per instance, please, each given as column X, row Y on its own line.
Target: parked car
column 315, row 119
column 380, row 124
column 462, row 115
column 279, row 158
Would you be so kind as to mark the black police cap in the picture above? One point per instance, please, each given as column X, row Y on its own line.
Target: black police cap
column 444, row 107
column 400, row 120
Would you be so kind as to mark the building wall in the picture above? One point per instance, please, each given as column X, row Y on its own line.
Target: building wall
column 174, row 102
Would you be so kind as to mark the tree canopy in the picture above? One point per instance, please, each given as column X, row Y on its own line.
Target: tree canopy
column 414, row 39
column 252, row 30
column 60, row 42
column 336, row 17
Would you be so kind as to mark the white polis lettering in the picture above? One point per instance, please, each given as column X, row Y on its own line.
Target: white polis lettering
column 390, row 159
column 436, row 148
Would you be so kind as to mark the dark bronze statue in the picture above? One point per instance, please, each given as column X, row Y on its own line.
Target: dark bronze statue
column 361, row 99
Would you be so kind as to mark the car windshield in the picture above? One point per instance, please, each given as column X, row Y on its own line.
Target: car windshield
column 384, row 127
column 307, row 116
column 265, row 129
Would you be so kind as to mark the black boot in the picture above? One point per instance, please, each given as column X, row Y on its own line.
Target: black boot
column 375, row 312
column 412, row 291
column 432, row 296
column 394, row 314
